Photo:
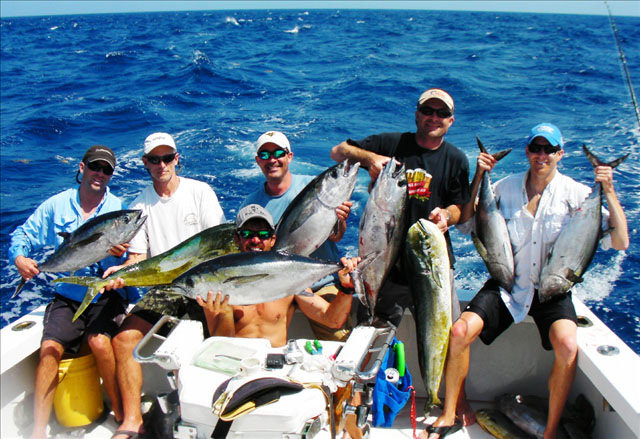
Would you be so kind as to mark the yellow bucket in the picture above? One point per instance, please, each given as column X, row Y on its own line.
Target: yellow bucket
column 78, row 398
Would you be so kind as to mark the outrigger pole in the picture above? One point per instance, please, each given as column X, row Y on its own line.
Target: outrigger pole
column 623, row 60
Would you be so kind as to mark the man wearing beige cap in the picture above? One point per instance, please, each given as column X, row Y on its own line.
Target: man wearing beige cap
column 273, row 156
column 176, row 209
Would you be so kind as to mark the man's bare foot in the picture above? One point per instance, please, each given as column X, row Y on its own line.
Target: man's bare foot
column 465, row 413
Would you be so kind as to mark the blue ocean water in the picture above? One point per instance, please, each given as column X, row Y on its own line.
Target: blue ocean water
column 217, row 80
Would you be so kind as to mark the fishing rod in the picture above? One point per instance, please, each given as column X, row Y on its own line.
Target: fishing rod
column 623, row 60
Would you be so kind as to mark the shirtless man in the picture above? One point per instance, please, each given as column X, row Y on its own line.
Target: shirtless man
column 256, row 232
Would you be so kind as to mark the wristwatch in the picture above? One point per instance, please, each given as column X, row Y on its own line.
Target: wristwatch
column 345, row 290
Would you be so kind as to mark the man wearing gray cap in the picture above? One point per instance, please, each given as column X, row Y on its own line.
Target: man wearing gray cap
column 176, row 209
column 60, row 214
column 256, row 232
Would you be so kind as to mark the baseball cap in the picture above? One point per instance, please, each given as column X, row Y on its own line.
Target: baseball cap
column 436, row 93
column 158, row 139
column 548, row 131
column 274, row 137
column 253, row 211
column 100, row 152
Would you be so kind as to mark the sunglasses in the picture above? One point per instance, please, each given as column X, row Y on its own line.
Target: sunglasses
column 442, row 113
column 535, row 148
column 97, row 167
column 250, row 234
column 278, row 153
column 156, row 159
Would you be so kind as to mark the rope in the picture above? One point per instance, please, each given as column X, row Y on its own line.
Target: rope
column 623, row 60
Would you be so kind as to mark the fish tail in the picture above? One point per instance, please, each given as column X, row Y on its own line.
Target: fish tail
column 91, row 293
column 498, row 155
column 19, row 287
column 86, row 281
column 595, row 161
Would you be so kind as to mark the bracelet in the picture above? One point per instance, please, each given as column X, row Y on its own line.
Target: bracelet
column 345, row 290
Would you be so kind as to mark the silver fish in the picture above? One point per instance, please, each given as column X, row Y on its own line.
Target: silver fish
column 382, row 229
column 91, row 242
column 311, row 216
column 249, row 278
column 428, row 262
column 491, row 237
column 573, row 250
column 529, row 417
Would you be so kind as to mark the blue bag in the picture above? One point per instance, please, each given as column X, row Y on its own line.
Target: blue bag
column 389, row 398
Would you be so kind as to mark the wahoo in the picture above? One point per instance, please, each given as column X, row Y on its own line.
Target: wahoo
column 491, row 237
column 311, row 216
column 573, row 250
column 430, row 284
column 381, row 229
column 91, row 242
column 165, row 267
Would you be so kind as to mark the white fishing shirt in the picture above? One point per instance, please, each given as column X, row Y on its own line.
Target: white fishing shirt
column 533, row 236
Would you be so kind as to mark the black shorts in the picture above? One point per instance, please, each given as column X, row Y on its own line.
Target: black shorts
column 488, row 304
column 101, row 317
column 158, row 302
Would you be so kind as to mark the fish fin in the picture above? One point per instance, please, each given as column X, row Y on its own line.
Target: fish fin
column 19, row 287
column 90, row 240
column 245, row 279
column 64, row 235
column 595, row 161
column 482, row 250
column 91, row 293
column 87, row 281
column 572, row 276
column 368, row 258
column 498, row 155
column 434, row 271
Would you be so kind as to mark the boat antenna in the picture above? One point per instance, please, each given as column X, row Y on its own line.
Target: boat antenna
column 623, row 60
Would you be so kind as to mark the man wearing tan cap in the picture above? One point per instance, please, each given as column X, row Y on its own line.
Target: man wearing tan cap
column 176, row 209
column 438, row 176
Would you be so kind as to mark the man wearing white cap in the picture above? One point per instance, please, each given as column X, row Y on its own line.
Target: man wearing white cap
column 176, row 209
column 273, row 156
column 438, row 176
column 536, row 204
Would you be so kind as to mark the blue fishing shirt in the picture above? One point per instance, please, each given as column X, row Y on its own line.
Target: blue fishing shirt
column 62, row 213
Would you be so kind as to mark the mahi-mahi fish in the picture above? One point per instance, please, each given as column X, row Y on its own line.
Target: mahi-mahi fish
column 310, row 218
column 162, row 269
column 573, row 250
column 499, row 425
column 428, row 270
column 491, row 237
column 249, row 278
column 91, row 242
column 381, row 229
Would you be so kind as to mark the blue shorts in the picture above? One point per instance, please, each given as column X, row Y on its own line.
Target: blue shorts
column 488, row 304
column 101, row 317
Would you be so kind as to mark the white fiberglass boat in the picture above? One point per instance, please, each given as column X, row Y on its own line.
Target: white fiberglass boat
column 608, row 376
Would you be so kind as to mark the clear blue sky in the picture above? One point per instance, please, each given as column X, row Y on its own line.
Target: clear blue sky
column 14, row 8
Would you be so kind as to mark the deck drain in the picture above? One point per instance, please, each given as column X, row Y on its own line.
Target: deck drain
column 608, row 350
column 23, row 325
column 584, row 322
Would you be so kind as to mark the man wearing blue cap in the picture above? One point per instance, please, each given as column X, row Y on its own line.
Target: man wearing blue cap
column 535, row 203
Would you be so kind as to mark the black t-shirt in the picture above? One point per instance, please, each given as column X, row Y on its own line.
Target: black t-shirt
column 436, row 178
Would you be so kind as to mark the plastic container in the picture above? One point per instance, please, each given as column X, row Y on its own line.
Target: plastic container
column 78, row 397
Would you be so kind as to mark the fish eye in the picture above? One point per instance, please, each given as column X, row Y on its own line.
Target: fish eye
column 334, row 173
column 189, row 282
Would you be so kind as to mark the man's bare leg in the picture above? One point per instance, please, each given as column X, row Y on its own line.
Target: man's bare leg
column 45, row 387
column 463, row 332
column 129, row 371
column 564, row 341
column 102, row 350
